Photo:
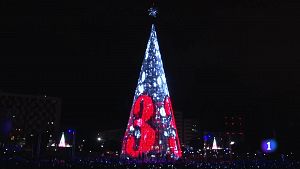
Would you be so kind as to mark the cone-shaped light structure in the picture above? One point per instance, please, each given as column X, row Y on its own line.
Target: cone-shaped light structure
column 62, row 142
column 215, row 146
column 151, row 131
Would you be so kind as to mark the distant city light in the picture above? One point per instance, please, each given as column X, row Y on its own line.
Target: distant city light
column 99, row 138
column 232, row 143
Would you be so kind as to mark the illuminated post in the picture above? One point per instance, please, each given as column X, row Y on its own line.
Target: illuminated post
column 73, row 144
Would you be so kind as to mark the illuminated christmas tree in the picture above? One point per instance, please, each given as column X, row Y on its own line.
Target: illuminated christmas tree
column 215, row 146
column 151, row 131
column 62, row 142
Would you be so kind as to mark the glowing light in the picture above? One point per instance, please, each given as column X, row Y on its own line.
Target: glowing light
column 141, row 89
column 62, row 142
column 99, row 138
column 165, row 133
column 137, row 134
column 151, row 125
column 131, row 128
column 269, row 145
column 232, row 143
column 143, row 76
column 159, row 81
column 162, row 112
column 152, row 12
column 214, row 147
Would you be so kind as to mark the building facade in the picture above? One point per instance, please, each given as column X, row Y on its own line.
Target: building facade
column 28, row 115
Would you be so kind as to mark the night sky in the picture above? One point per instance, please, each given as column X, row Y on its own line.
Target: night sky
column 219, row 57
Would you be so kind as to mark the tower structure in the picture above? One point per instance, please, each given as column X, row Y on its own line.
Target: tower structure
column 151, row 130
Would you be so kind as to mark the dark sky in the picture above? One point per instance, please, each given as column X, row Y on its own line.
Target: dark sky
column 219, row 57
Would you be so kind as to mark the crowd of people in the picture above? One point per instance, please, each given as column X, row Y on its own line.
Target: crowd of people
column 247, row 162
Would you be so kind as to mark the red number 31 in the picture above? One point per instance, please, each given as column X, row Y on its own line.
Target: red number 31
column 143, row 111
